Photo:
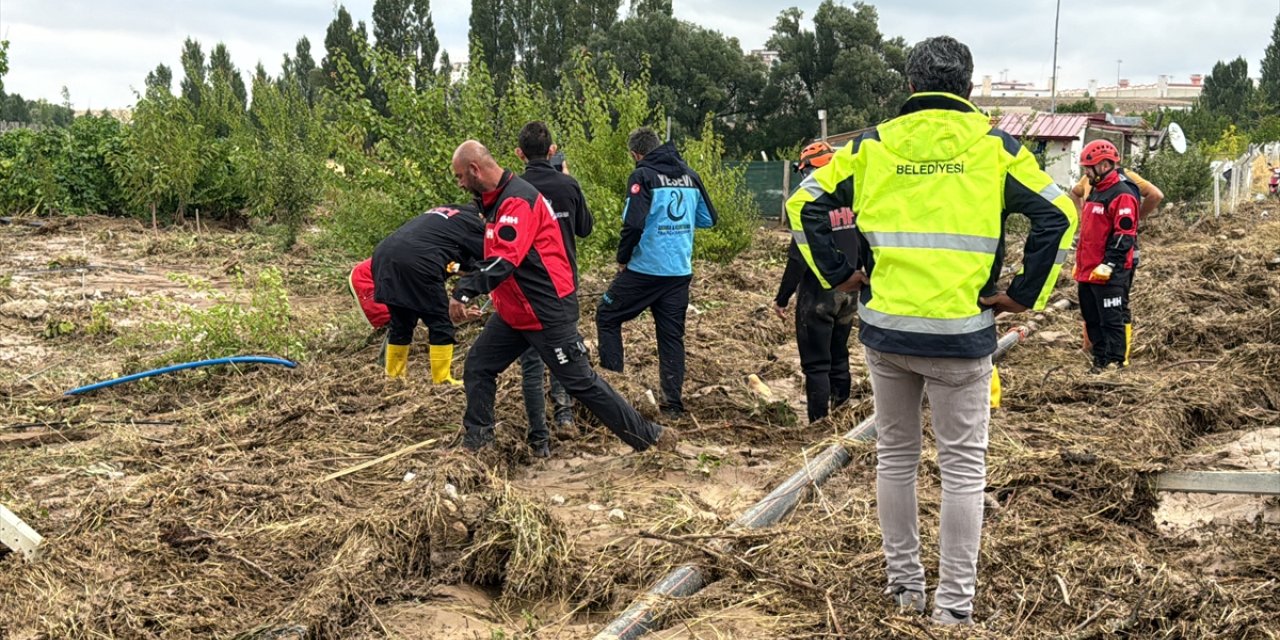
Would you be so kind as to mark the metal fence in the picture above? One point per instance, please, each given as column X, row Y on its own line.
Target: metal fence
column 1234, row 180
column 769, row 184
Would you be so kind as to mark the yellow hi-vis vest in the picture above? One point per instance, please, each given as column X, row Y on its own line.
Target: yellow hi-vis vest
column 927, row 194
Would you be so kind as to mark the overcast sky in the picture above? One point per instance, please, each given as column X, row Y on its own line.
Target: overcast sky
column 102, row 50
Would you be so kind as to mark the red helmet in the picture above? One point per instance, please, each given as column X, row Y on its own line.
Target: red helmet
column 1097, row 151
column 816, row 155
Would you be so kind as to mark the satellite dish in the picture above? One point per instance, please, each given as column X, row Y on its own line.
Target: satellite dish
column 1177, row 139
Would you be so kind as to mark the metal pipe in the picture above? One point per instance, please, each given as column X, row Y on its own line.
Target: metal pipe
column 688, row 579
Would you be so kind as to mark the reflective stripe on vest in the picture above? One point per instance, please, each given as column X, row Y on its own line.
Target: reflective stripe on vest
column 920, row 240
column 936, row 326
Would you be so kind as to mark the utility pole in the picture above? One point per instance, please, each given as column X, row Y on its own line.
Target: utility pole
column 822, row 118
column 1053, row 91
column 1118, row 78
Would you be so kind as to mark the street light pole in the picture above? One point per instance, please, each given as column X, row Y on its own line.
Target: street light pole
column 1118, row 78
column 1053, row 91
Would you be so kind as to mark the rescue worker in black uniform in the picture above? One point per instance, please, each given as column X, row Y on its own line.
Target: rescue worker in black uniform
column 569, row 206
column 824, row 317
column 410, row 268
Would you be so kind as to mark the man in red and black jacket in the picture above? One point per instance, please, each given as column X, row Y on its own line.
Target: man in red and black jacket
column 528, row 276
column 1104, row 254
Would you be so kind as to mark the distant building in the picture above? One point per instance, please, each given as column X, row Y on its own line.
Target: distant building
column 458, row 71
column 1011, row 89
column 769, row 57
column 1058, row 139
column 1163, row 89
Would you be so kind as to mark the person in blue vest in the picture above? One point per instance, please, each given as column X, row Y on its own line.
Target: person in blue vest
column 665, row 202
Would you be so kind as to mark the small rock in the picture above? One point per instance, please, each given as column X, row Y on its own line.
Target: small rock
column 457, row 532
column 618, row 515
column 449, row 506
column 1273, row 264
column 409, row 476
column 595, row 507
column 32, row 309
column 558, row 500
column 1222, row 237
column 452, row 492
column 1051, row 336
column 1238, row 233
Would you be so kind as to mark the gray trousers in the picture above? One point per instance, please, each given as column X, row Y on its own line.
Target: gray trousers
column 959, row 396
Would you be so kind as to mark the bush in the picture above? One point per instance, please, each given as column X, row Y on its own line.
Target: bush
column 361, row 218
column 1183, row 177
column 738, row 213
column 228, row 326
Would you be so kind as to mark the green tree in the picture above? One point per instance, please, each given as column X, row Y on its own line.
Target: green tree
column 844, row 65
column 391, row 31
column 1228, row 91
column 4, row 62
column 692, row 71
column 1088, row 105
column 427, row 44
column 1269, row 87
column 493, row 31
column 301, row 71
column 222, row 70
column 1267, row 129
column 161, row 77
column 405, row 29
column 194, row 70
column 158, row 161
column 642, row 8
column 290, row 172
column 350, row 42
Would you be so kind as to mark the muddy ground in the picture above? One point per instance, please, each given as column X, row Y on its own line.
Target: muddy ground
column 197, row 505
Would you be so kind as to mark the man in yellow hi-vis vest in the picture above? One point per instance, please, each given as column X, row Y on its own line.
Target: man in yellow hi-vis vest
column 912, row 216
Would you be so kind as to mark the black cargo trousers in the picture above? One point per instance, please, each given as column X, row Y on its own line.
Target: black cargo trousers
column 564, row 352
column 668, row 298
column 824, row 320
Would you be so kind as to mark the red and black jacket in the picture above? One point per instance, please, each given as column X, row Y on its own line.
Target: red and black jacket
column 1108, row 227
column 525, row 269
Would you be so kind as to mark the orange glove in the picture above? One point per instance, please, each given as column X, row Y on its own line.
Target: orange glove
column 1101, row 274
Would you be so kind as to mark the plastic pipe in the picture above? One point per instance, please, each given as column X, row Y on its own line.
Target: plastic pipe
column 180, row 367
column 688, row 579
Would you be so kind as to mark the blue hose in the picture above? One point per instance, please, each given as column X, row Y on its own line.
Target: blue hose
column 179, row 367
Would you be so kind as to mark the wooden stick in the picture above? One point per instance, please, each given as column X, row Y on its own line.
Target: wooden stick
column 365, row 465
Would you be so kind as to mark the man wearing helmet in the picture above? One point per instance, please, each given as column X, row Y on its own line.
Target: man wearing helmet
column 824, row 317
column 1104, row 254
column 1151, row 197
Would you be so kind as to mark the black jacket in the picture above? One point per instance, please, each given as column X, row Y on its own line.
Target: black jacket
column 410, row 265
column 567, row 203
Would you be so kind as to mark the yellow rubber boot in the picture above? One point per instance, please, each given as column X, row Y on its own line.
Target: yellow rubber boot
column 995, row 387
column 441, row 361
column 397, row 360
column 1128, row 342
